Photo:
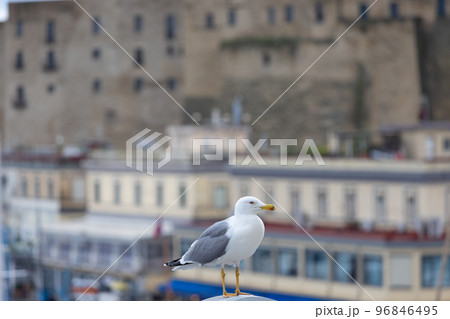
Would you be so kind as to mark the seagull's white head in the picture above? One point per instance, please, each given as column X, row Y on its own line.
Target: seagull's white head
column 250, row 205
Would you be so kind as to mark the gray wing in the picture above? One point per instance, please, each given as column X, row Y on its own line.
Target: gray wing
column 210, row 245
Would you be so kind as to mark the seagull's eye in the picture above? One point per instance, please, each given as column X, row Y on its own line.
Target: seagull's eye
column 252, row 202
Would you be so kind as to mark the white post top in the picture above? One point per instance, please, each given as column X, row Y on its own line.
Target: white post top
column 239, row 298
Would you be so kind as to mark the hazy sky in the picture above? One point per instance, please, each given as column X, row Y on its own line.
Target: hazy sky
column 4, row 7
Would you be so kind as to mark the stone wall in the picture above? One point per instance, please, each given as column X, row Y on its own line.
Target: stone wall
column 370, row 78
column 2, row 82
column 73, row 110
column 376, row 74
column 437, row 69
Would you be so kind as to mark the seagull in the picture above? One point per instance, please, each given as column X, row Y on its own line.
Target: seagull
column 227, row 242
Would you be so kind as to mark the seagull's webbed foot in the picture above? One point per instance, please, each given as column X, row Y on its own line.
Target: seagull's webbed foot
column 238, row 292
column 229, row 294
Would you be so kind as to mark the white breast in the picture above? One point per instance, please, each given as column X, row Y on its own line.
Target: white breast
column 246, row 234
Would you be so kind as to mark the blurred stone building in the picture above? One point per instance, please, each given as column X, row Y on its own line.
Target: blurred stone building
column 75, row 85
column 67, row 81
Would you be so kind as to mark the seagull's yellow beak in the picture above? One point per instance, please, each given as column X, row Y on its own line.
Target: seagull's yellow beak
column 267, row 207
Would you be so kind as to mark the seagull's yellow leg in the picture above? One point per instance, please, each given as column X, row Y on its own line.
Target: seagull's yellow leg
column 238, row 292
column 225, row 293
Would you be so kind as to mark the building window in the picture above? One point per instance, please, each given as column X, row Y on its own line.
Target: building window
column 20, row 94
column 138, row 23
column 84, row 252
column 96, row 86
column 322, row 203
column 446, row 145
column 50, row 64
column 138, row 84
column 64, row 250
column 50, row 189
column 266, row 59
column 316, row 264
column 346, row 261
column 394, row 10
column 19, row 64
column 262, row 260
column 401, row 270
column 441, row 8
column 97, row 192
column 49, row 243
column 182, row 194
column 295, row 200
column 170, row 50
column 96, row 54
column 209, row 21
column 287, row 262
column 373, row 270
column 24, row 187
column 110, row 116
column 50, row 35
column 105, row 254
column 78, row 190
column 139, row 56
column 295, row 203
column 431, row 266
column 220, row 197
column 19, row 28
column 20, row 101
column 411, row 214
column 363, row 11
column 126, row 261
column 380, row 206
column 271, row 15
column 137, row 193
column 159, row 194
column 172, row 84
column 117, row 193
column 50, row 88
column 319, row 12
column 96, row 25
column 170, row 27
column 350, row 205
column 232, row 16
column 289, row 13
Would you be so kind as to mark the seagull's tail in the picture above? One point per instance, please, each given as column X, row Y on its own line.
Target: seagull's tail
column 173, row 263
column 178, row 264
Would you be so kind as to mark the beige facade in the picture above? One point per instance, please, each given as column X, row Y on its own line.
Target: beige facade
column 427, row 144
column 119, row 191
column 47, row 181
column 390, row 194
column 76, row 85
column 366, row 194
